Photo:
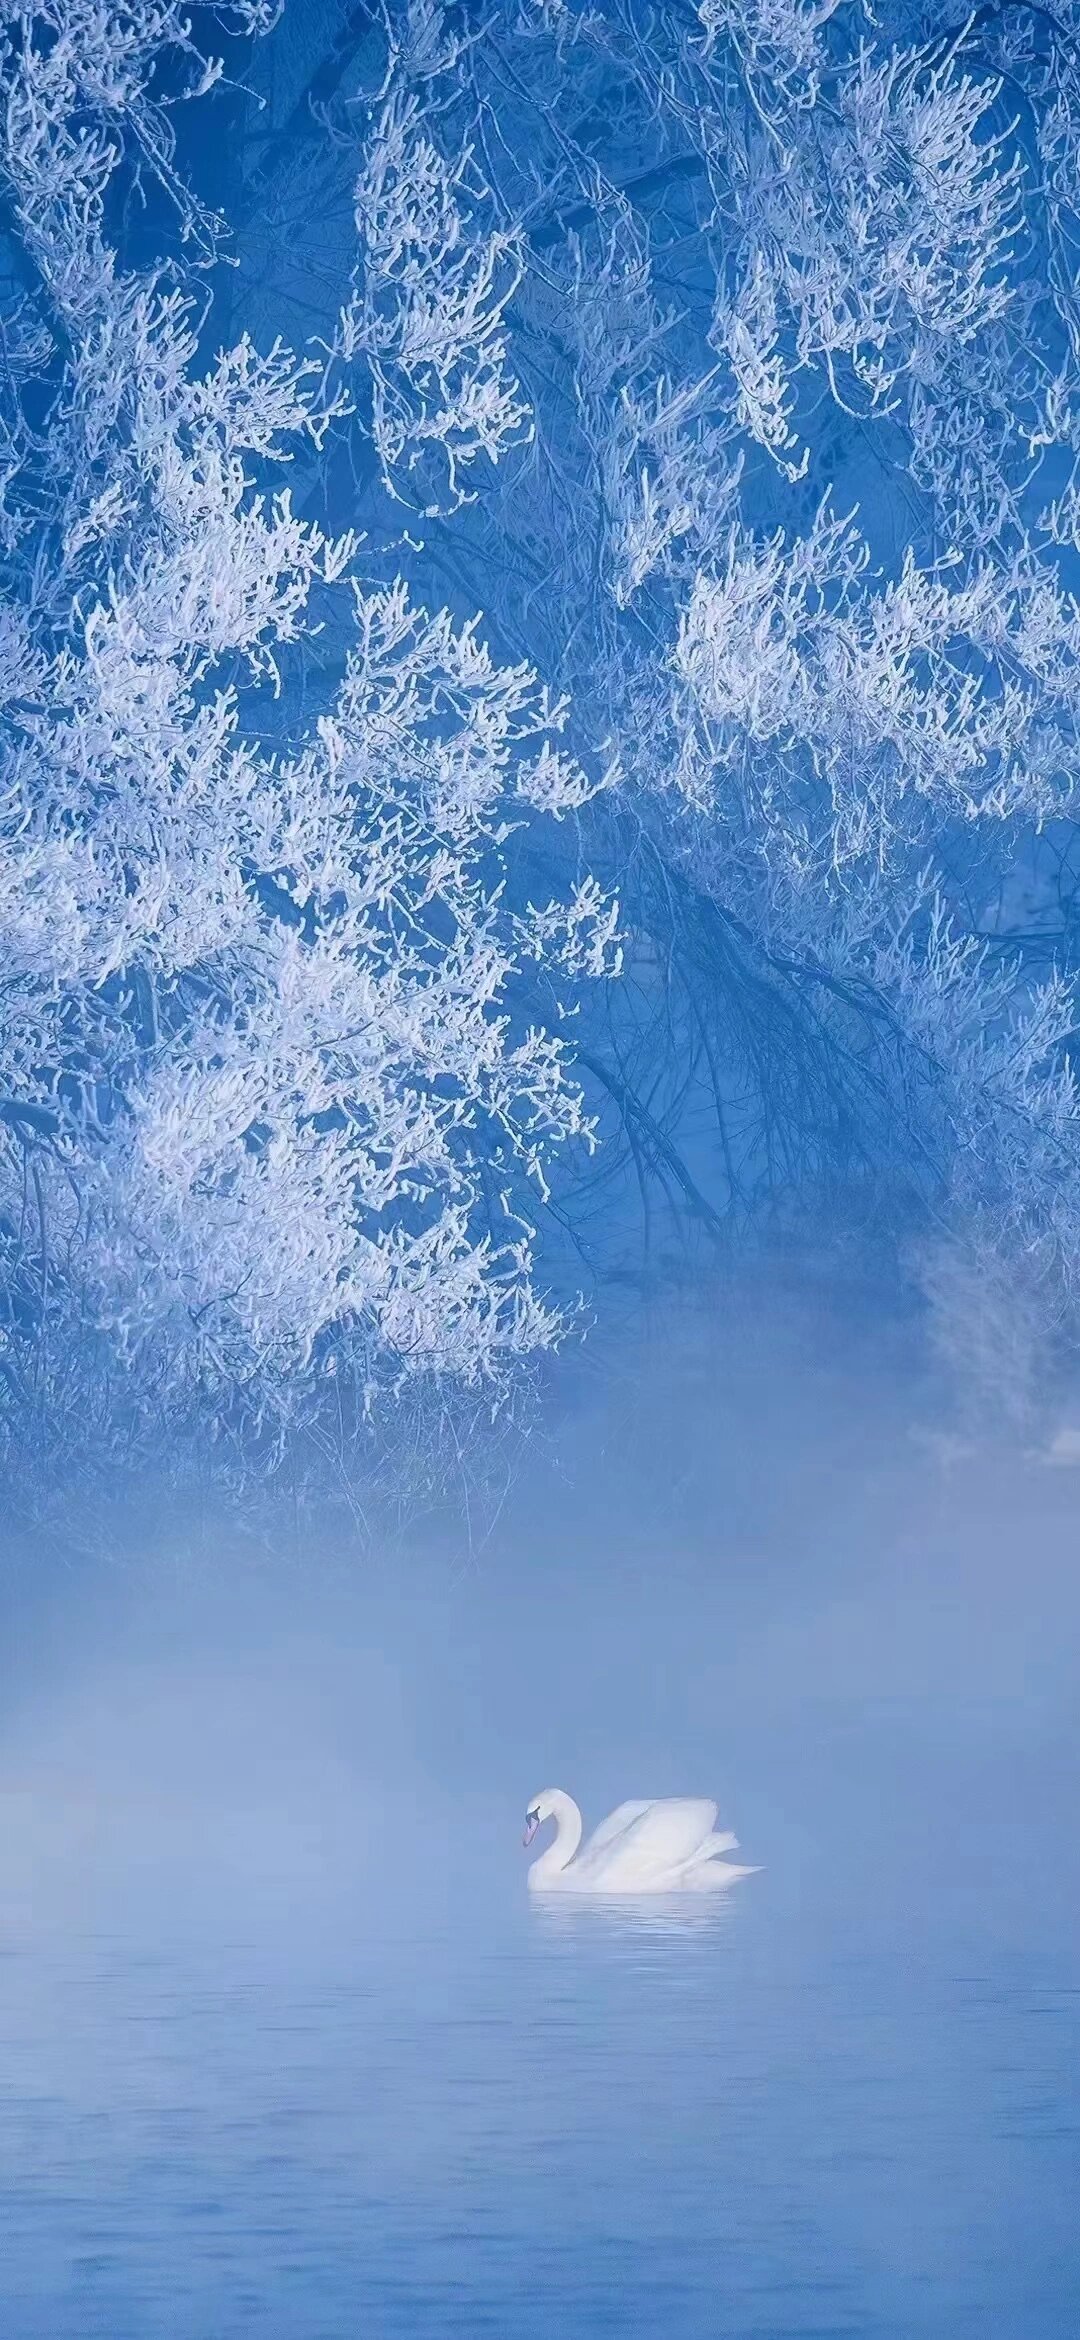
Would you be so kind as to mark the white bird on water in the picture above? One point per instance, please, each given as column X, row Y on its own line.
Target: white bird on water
column 668, row 1845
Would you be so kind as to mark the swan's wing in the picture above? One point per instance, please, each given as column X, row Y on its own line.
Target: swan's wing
column 658, row 1838
column 613, row 1826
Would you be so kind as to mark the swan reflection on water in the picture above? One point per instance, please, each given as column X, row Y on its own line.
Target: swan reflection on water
column 646, row 1915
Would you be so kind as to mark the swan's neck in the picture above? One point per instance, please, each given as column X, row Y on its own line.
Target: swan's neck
column 559, row 1855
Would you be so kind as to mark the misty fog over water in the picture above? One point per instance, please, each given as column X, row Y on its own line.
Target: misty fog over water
column 287, row 2049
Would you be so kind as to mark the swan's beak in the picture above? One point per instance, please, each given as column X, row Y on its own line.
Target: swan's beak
column 532, row 1823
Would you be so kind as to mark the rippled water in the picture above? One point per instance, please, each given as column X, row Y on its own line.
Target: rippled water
column 843, row 2102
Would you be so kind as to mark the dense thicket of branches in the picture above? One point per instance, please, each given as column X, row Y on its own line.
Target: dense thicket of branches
column 271, row 1114
column 459, row 465
column 789, row 303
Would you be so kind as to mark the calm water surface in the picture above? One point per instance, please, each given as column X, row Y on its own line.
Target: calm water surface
column 285, row 2049
column 843, row 2102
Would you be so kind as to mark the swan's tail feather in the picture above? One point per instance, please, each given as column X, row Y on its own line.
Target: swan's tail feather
column 720, row 1842
column 706, row 1871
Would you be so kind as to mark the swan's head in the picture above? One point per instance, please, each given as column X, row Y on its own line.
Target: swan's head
column 550, row 1804
column 553, row 1804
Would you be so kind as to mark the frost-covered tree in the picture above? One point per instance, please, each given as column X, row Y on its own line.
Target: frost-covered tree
column 789, row 301
column 505, row 459
column 272, row 1098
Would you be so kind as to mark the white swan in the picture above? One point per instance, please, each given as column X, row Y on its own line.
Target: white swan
column 666, row 1846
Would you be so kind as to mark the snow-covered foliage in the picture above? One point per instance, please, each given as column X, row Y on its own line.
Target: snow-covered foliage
column 724, row 355
column 272, row 1096
column 797, row 524
column 426, row 315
